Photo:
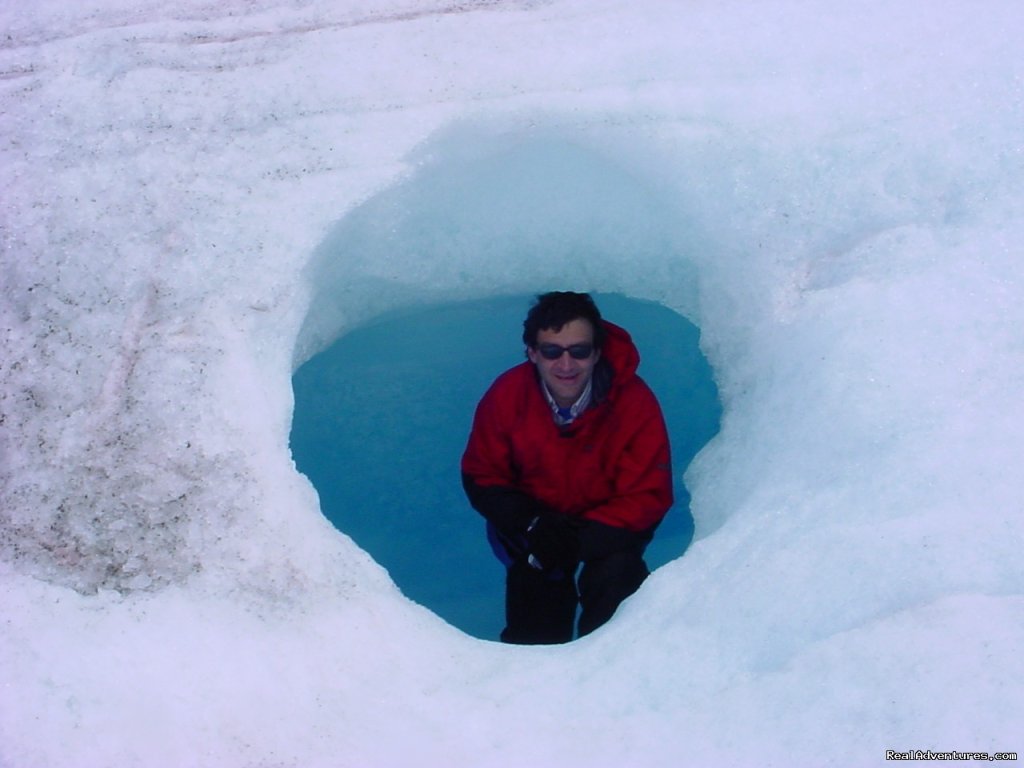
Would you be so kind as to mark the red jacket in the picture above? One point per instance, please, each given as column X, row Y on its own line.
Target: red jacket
column 611, row 465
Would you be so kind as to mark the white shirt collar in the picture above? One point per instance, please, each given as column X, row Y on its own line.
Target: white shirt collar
column 568, row 415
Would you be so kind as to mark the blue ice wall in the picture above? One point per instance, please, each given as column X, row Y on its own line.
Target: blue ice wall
column 381, row 419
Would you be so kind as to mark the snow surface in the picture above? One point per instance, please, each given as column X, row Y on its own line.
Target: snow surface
column 833, row 192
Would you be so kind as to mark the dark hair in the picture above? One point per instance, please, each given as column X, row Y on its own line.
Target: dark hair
column 555, row 309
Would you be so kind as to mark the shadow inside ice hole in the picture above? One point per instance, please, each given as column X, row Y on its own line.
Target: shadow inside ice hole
column 381, row 420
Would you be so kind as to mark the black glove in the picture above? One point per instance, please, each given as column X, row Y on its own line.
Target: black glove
column 553, row 542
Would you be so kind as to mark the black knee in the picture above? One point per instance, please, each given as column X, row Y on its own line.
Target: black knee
column 605, row 583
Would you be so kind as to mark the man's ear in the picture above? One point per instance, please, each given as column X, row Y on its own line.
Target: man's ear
column 531, row 354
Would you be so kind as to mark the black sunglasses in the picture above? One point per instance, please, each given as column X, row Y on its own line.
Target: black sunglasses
column 576, row 351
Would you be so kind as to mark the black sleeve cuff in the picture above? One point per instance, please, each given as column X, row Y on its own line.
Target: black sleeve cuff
column 509, row 509
column 599, row 540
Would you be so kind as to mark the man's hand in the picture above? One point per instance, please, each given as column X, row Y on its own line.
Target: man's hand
column 553, row 542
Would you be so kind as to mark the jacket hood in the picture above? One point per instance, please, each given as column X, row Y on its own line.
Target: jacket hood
column 619, row 361
column 620, row 351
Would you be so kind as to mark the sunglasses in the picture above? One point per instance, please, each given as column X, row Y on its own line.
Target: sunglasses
column 576, row 351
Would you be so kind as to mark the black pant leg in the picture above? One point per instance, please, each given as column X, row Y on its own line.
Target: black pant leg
column 538, row 608
column 605, row 582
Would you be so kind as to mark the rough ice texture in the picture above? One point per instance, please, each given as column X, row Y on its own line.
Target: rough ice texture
column 839, row 195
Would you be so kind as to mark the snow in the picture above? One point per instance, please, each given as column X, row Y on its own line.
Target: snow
column 831, row 192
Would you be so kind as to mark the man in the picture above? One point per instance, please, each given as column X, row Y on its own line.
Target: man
column 568, row 461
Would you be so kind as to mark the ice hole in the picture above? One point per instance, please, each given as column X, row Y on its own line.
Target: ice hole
column 417, row 298
column 381, row 419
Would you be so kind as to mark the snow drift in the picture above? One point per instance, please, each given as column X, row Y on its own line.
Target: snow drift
column 836, row 197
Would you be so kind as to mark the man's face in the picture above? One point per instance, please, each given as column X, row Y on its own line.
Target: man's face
column 565, row 376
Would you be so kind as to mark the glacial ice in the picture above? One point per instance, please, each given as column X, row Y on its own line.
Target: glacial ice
column 831, row 192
